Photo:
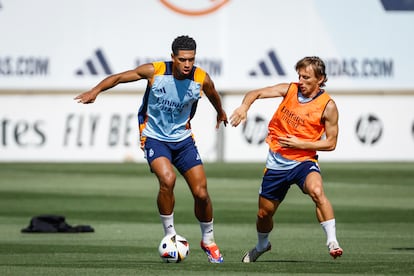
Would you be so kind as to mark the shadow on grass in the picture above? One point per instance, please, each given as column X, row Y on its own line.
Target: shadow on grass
column 296, row 261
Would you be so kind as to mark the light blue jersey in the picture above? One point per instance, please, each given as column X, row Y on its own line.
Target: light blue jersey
column 169, row 104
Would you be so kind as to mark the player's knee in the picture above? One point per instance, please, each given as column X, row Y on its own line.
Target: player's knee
column 167, row 181
column 317, row 194
column 264, row 214
column 201, row 195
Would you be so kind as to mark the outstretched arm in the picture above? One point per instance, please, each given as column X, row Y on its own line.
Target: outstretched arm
column 240, row 114
column 144, row 71
column 214, row 98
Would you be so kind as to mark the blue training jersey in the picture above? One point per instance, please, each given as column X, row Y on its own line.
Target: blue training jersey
column 169, row 104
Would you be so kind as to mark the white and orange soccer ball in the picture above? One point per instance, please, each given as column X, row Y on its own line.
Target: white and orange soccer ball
column 174, row 248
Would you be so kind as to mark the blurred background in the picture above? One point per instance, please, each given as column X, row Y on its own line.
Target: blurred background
column 50, row 51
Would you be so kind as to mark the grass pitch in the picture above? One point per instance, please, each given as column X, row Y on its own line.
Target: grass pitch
column 373, row 204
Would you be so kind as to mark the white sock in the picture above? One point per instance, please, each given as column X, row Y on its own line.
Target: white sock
column 330, row 230
column 168, row 224
column 262, row 241
column 207, row 232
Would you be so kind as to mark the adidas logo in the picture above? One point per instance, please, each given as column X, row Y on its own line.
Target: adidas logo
column 266, row 66
column 97, row 65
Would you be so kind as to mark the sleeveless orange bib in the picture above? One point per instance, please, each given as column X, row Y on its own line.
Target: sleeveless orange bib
column 302, row 120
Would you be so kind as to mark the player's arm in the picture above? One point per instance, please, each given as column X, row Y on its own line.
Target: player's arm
column 145, row 71
column 240, row 113
column 330, row 118
column 214, row 98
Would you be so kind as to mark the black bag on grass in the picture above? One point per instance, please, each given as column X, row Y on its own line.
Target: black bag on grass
column 53, row 224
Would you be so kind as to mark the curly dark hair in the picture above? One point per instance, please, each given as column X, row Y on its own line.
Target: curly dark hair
column 183, row 42
column 317, row 64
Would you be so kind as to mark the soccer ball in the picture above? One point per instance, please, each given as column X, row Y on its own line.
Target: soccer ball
column 173, row 248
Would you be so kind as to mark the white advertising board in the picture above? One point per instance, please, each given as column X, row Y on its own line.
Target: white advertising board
column 45, row 128
column 71, row 44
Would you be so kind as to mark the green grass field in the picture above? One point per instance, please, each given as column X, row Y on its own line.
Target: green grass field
column 374, row 205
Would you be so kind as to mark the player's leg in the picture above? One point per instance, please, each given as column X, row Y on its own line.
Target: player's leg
column 197, row 182
column 313, row 186
column 164, row 171
column 203, row 210
column 267, row 209
column 273, row 190
column 189, row 163
column 158, row 155
column 264, row 225
column 264, row 222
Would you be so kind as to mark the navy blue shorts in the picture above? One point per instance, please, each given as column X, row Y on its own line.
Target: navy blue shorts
column 183, row 155
column 276, row 183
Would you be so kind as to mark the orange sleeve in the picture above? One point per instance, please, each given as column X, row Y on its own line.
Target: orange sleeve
column 159, row 69
column 199, row 77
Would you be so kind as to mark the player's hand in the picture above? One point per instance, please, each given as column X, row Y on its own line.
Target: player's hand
column 289, row 141
column 86, row 97
column 222, row 117
column 239, row 115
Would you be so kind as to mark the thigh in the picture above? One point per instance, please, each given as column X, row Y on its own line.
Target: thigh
column 304, row 173
column 164, row 171
column 185, row 155
column 313, row 183
column 158, row 155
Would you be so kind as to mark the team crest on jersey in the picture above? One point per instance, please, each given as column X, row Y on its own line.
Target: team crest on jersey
column 189, row 93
